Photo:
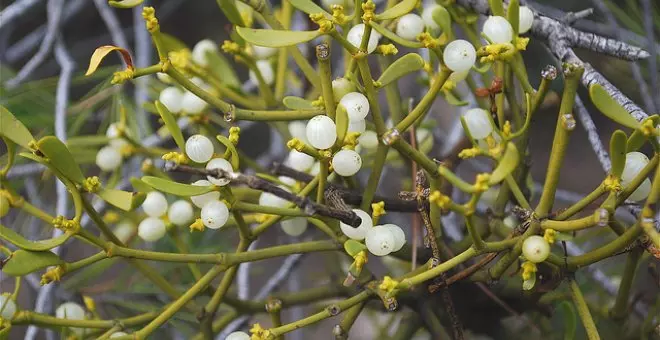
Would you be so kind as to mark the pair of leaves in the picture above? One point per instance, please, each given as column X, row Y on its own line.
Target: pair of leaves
column 23, row 262
column 409, row 63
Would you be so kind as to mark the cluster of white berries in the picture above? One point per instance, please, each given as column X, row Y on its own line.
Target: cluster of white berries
column 355, row 34
column 109, row 157
column 380, row 240
column 478, row 123
column 536, row 249
column 178, row 100
column 635, row 162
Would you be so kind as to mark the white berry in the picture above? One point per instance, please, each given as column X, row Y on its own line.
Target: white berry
column 8, row 307
column 346, row 162
column 356, row 105
column 635, row 162
column 108, row 158
column 164, row 77
column 190, row 103
column 266, row 72
column 269, row 200
column 219, row 163
column 379, row 240
column 238, row 336
column 155, row 205
column 427, row 16
column 151, row 229
column 200, row 200
column 199, row 148
column 298, row 129
column 299, row 161
column 215, row 214
column 180, row 213
column 459, row 55
column 525, row 19
column 360, row 232
column 171, row 97
column 355, row 34
column 642, row 191
column 294, row 226
column 262, row 52
column 359, row 125
column 124, row 231
column 118, row 334
column 201, row 50
column 536, row 249
column 71, row 311
column 457, row 77
column 398, row 234
column 410, row 26
column 478, row 123
column 342, row 86
column 321, row 132
column 116, row 140
column 498, row 29
column 368, row 139
column 287, row 180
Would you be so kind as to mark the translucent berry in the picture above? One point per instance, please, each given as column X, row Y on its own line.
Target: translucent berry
column 151, row 229
column 266, row 72
column 262, row 52
column 172, row 98
column 199, row 148
column 355, row 34
column 360, row 232
column 536, row 249
column 498, row 29
column 299, row 161
column 269, row 200
column 200, row 200
column 635, row 162
column 342, row 86
column 410, row 26
column 201, row 50
column 642, row 191
column 219, row 163
column 346, row 162
column 478, row 123
column 526, row 19
column 459, row 55
column 368, row 139
column 356, row 105
column 192, row 104
column 379, row 240
column 238, row 336
column 155, row 205
column 215, row 214
column 359, row 125
column 398, row 234
column 180, row 213
column 8, row 307
column 321, row 132
column 294, row 226
column 108, row 158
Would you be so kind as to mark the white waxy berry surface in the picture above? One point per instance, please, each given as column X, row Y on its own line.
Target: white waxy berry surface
column 478, row 123
column 410, row 26
column 222, row 164
column 199, row 148
column 346, row 162
column 355, row 34
column 108, row 158
column 155, row 205
column 294, row 226
column 459, row 55
column 525, row 19
column 200, row 200
column 356, row 105
column 379, row 240
column 215, row 214
column 536, row 249
column 360, row 232
column 180, row 213
column 201, row 50
column 498, row 29
column 151, row 229
column 321, row 132
column 172, row 98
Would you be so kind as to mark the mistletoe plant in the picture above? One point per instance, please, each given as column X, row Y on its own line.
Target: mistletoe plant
column 339, row 132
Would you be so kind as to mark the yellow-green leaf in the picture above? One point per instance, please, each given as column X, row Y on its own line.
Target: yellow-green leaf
column 507, row 163
column 125, row 3
column 101, row 52
column 393, row 37
column 23, row 262
column 297, row 103
column 61, row 158
column 222, row 69
column 618, row 146
column 175, row 188
column 309, row 7
column 275, row 38
column 453, row 100
column 353, row 247
column 409, row 63
column 123, row 200
column 13, row 129
column 228, row 7
column 171, row 43
column 341, row 123
column 139, row 185
column 513, row 14
column 609, row 107
column 19, row 241
column 442, row 17
column 233, row 159
column 172, row 126
column 402, row 8
column 637, row 138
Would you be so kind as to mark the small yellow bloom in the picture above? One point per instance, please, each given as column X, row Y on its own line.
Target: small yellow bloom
column 469, row 153
column 427, row 40
column 378, row 208
column 52, row 275
column 521, row 43
column 89, row 303
column 197, row 225
column 338, row 14
column 612, row 183
column 325, row 25
column 91, row 184
column 319, row 102
column 295, row 144
column 442, row 201
column 121, row 77
column 388, row 284
column 259, row 333
column 177, row 158
column 549, row 235
column 111, row 217
column 387, row 49
column 230, row 47
column 368, row 9
column 528, row 268
column 149, row 15
column 481, row 183
column 234, row 134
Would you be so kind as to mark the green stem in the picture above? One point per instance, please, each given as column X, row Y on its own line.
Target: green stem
column 620, row 308
column 374, row 176
column 581, row 204
column 583, row 311
column 438, row 270
column 426, row 102
column 257, row 208
column 325, row 74
column 33, row 318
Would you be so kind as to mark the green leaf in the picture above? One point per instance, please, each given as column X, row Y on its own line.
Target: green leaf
column 228, row 7
column 609, row 107
column 453, row 100
column 341, row 122
column 125, row 3
column 513, row 15
column 402, row 8
column 171, row 43
column 353, row 247
column 13, row 129
column 121, row 199
column 395, row 38
column 220, row 67
column 497, row 7
column 529, row 284
column 275, row 38
column 309, row 7
column 442, row 17
column 618, row 145
column 234, row 160
column 175, row 188
column 637, row 138
column 569, row 318
column 172, row 126
column 61, row 158
column 19, row 241
column 297, row 103
column 409, row 63
column 23, row 262
column 139, row 185
column 506, row 165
